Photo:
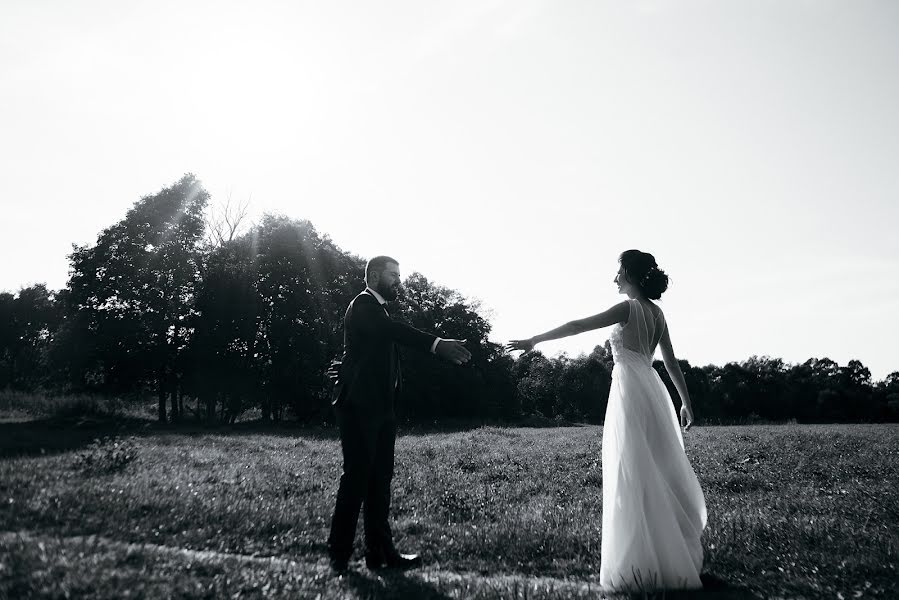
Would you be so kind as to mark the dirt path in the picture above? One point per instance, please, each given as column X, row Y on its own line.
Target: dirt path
column 443, row 582
column 137, row 562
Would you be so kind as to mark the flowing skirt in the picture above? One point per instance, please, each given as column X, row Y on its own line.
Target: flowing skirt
column 653, row 510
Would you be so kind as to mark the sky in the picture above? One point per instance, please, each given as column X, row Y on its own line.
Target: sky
column 508, row 149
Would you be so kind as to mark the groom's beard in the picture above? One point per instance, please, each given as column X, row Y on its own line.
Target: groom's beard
column 387, row 292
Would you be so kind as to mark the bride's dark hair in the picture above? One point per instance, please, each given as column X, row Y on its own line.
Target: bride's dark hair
column 642, row 271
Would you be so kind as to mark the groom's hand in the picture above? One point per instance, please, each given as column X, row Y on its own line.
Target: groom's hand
column 453, row 351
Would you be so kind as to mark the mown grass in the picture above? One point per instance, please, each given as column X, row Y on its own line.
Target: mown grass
column 794, row 511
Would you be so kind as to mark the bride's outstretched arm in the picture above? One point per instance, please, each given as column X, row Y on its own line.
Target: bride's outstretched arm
column 616, row 314
column 677, row 377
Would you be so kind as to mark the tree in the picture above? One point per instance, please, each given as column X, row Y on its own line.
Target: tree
column 807, row 381
column 134, row 289
column 769, row 376
column 8, row 339
column 269, row 317
column 294, row 319
column 28, row 322
column 222, row 363
column 583, row 386
column 433, row 388
column 537, row 387
column 223, row 223
column 888, row 393
column 860, row 402
column 734, row 387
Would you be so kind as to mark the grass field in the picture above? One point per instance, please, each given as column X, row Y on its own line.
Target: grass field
column 794, row 511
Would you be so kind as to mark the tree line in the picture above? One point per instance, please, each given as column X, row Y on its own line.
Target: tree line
column 213, row 321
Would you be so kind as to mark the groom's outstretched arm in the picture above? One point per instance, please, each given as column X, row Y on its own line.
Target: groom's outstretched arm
column 372, row 319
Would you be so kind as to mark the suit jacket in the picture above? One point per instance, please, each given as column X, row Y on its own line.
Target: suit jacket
column 370, row 375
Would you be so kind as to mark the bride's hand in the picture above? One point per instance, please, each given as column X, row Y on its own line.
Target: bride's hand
column 686, row 418
column 524, row 345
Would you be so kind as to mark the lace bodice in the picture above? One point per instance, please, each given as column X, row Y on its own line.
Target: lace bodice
column 637, row 339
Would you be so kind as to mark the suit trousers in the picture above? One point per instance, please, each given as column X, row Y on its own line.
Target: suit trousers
column 368, row 450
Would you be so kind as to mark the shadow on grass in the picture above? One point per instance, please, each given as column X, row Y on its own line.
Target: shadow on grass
column 53, row 435
column 713, row 588
column 390, row 585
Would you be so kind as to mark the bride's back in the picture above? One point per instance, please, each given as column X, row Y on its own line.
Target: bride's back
column 644, row 328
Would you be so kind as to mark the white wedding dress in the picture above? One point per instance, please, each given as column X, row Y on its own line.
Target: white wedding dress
column 653, row 510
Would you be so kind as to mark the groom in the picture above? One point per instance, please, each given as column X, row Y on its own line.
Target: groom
column 368, row 380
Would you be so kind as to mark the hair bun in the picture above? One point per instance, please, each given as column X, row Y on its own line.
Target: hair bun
column 645, row 271
column 654, row 283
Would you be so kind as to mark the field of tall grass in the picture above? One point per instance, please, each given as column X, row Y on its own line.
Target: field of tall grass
column 134, row 510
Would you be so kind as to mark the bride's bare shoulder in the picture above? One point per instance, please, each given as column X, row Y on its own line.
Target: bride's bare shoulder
column 656, row 310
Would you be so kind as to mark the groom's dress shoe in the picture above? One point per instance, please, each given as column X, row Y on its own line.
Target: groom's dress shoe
column 403, row 561
column 392, row 560
column 339, row 566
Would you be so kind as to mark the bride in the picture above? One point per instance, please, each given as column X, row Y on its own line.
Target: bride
column 653, row 508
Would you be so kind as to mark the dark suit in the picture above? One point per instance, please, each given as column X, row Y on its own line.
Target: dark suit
column 368, row 383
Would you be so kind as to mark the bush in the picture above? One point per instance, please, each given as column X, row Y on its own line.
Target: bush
column 67, row 406
column 107, row 455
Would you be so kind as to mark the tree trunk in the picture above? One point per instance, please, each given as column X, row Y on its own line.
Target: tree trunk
column 174, row 391
column 173, row 396
column 266, row 409
column 160, row 382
